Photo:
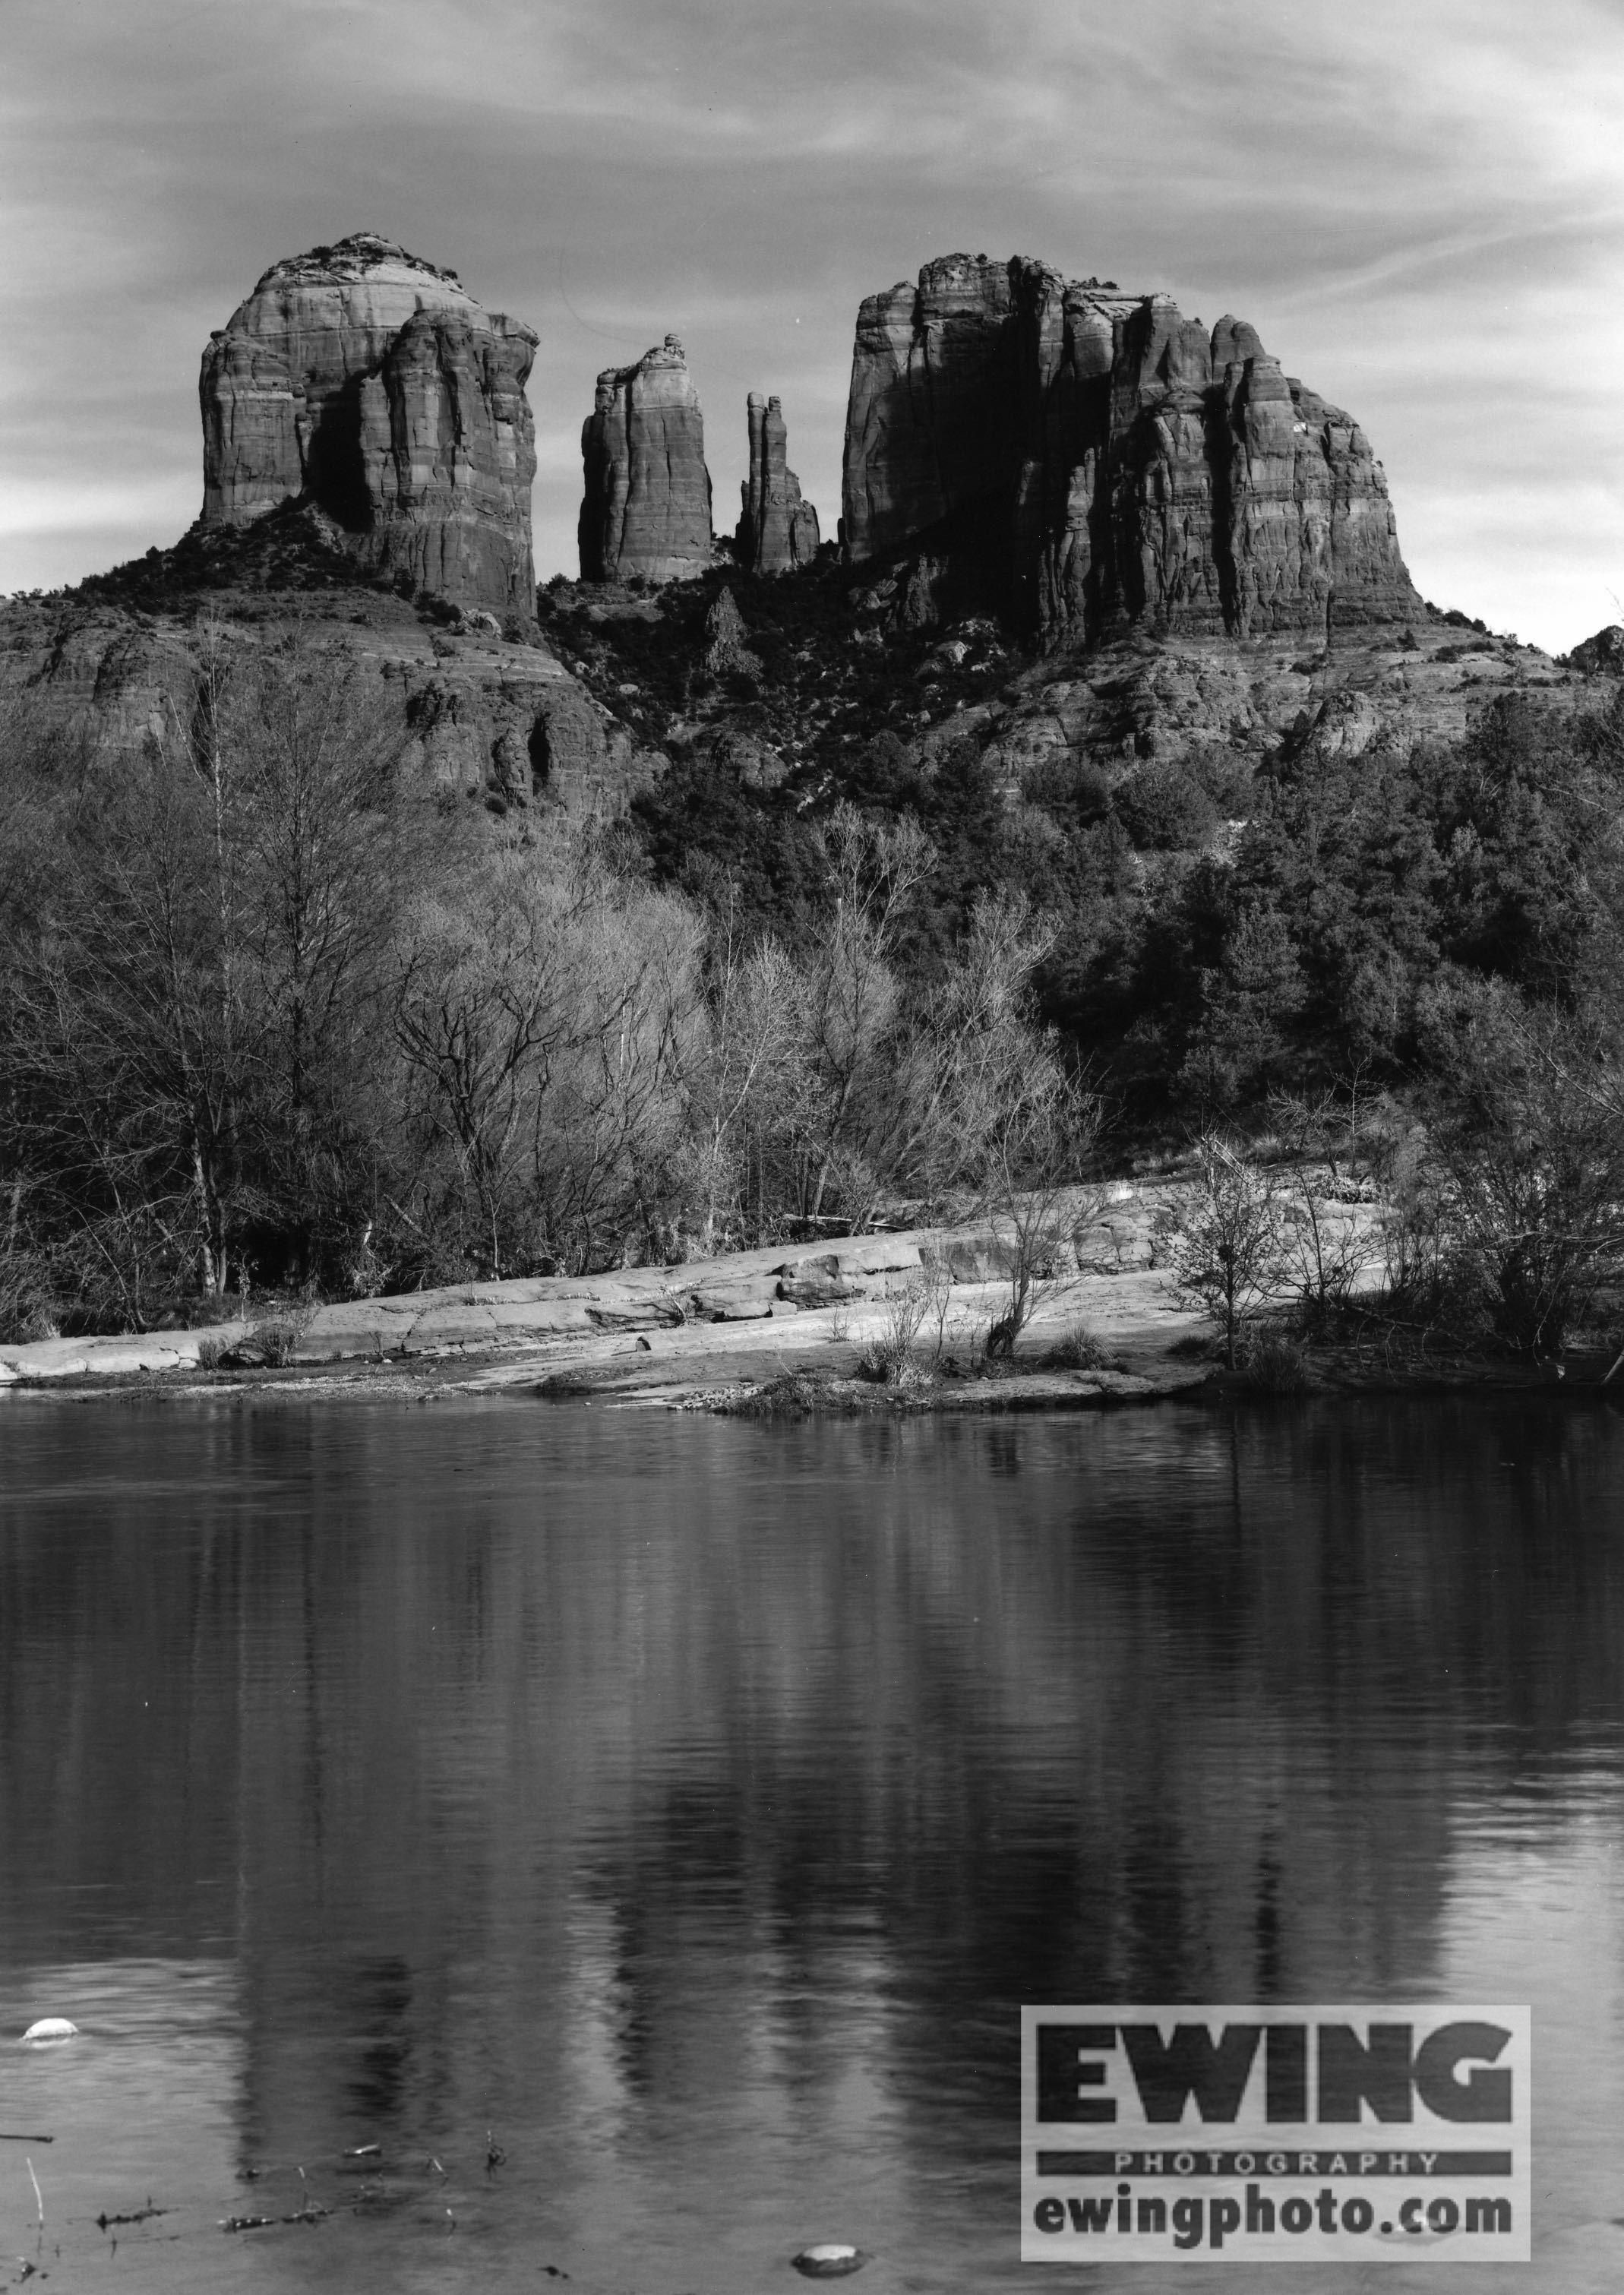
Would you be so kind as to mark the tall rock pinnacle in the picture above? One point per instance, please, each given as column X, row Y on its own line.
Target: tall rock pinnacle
column 369, row 382
column 1095, row 458
column 647, row 506
column 776, row 530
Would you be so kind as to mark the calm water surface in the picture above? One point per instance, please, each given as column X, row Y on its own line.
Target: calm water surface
column 692, row 1806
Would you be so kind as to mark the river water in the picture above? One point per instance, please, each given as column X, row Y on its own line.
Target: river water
column 685, row 1808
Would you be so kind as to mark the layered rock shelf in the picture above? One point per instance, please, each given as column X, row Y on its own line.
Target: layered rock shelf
column 646, row 510
column 1094, row 460
column 368, row 382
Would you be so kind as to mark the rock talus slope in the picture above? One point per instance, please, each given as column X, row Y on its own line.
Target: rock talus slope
column 1099, row 461
column 777, row 529
column 646, row 509
column 371, row 383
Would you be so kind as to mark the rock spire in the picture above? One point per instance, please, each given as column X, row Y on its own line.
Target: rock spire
column 1095, row 459
column 647, row 506
column 369, row 382
column 776, row 530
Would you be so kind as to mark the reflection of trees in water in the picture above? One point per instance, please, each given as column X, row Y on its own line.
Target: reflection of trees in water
column 765, row 1742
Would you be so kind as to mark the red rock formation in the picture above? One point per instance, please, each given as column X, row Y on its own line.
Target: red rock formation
column 647, row 506
column 369, row 382
column 776, row 530
column 930, row 420
column 1602, row 655
column 1095, row 458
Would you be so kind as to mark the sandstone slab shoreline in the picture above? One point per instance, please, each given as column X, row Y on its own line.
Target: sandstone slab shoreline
column 781, row 1329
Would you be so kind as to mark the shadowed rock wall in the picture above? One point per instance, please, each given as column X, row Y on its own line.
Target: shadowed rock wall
column 1095, row 458
column 369, row 382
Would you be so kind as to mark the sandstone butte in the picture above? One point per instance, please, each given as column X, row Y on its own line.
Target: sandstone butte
column 1099, row 462
column 647, row 507
column 369, row 383
column 777, row 529
column 1131, row 480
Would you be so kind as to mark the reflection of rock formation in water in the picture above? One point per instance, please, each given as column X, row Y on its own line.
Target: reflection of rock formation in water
column 738, row 1800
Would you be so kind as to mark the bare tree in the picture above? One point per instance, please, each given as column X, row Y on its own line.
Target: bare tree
column 852, row 999
column 1327, row 1253
column 1044, row 1142
column 326, row 847
column 1228, row 1256
column 607, row 1143
column 485, row 997
column 973, row 1057
column 748, row 1076
column 543, row 1017
column 1527, row 1140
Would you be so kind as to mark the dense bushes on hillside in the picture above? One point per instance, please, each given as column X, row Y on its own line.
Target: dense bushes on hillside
column 1360, row 896
column 277, row 1016
column 1220, row 922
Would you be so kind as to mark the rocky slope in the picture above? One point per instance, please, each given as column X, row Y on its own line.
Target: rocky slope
column 93, row 673
column 369, row 382
column 776, row 530
column 814, row 671
column 646, row 512
column 1086, row 459
column 1204, row 549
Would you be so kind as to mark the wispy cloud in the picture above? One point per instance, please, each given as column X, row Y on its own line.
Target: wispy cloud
column 1418, row 201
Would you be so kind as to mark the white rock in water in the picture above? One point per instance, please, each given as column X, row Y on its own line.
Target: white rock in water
column 51, row 2028
column 830, row 2260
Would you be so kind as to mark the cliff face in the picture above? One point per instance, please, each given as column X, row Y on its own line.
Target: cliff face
column 776, row 530
column 498, row 724
column 647, row 504
column 1097, row 460
column 365, row 381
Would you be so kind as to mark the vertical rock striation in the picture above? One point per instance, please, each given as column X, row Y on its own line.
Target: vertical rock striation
column 776, row 530
column 1097, row 459
column 369, row 382
column 647, row 506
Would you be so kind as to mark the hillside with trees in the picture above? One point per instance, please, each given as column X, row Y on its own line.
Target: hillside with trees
column 887, row 918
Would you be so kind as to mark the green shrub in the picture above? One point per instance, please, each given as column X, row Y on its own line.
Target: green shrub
column 1274, row 1364
column 1076, row 1349
column 1164, row 811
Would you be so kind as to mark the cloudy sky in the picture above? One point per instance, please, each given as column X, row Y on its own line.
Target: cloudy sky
column 1418, row 203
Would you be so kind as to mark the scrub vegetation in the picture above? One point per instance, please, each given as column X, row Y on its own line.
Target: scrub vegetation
column 282, row 1019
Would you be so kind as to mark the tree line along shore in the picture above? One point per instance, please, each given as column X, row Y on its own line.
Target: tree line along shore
column 287, row 1024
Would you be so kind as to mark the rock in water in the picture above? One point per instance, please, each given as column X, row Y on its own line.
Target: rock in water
column 49, row 2029
column 831, row 2260
column 1093, row 459
column 647, row 506
column 369, row 382
column 776, row 530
